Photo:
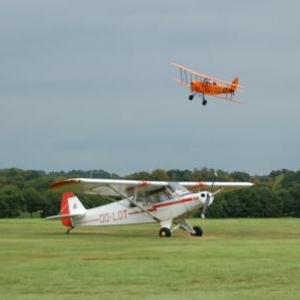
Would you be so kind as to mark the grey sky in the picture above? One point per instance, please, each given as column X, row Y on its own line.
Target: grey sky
column 88, row 85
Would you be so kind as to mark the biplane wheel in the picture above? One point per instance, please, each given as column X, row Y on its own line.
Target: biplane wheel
column 191, row 97
column 198, row 231
column 165, row 232
column 204, row 102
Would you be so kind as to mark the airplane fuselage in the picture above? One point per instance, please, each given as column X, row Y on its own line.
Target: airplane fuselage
column 209, row 88
column 121, row 212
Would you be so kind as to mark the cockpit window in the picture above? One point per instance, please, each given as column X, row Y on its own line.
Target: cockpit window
column 177, row 189
column 173, row 189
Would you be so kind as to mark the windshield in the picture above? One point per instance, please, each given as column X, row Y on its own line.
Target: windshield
column 177, row 189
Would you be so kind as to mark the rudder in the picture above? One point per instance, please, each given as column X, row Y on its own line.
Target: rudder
column 70, row 205
column 234, row 84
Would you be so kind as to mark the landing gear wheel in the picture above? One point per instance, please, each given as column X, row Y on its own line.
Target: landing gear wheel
column 204, row 102
column 198, row 231
column 191, row 97
column 165, row 232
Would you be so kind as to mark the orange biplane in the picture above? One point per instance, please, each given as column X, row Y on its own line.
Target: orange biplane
column 205, row 85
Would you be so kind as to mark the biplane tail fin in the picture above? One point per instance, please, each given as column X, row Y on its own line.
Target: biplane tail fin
column 234, row 84
column 70, row 207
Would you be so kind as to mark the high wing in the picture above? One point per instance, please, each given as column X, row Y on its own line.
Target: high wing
column 106, row 187
column 188, row 75
column 122, row 187
column 213, row 186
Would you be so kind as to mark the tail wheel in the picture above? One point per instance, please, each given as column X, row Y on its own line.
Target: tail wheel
column 191, row 97
column 198, row 231
column 165, row 232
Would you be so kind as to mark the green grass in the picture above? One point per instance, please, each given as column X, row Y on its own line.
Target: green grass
column 236, row 259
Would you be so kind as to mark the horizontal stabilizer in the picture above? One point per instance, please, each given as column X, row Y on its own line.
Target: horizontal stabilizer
column 64, row 216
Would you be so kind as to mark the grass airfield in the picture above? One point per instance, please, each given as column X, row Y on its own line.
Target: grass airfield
column 236, row 259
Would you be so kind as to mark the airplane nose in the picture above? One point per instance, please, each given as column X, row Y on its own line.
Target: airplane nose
column 206, row 199
column 202, row 196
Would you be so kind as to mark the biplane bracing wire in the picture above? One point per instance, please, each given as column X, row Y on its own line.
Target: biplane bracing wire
column 204, row 85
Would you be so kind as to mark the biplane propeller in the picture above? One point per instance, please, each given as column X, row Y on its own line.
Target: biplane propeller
column 202, row 85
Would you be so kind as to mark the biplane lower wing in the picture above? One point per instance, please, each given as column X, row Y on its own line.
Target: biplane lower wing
column 228, row 99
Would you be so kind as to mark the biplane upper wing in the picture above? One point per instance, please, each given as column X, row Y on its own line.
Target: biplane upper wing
column 106, row 187
column 187, row 75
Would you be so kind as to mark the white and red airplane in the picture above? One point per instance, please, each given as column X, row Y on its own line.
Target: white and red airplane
column 162, row 202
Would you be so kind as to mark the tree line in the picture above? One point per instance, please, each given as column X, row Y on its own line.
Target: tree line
column 26, row 192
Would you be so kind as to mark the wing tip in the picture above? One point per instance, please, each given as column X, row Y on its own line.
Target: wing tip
column 60, row 183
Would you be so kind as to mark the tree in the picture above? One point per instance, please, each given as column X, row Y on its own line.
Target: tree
column 295, row 194
column 33, row 200
column 11, row 201
column 160, row 175
column 51, row 204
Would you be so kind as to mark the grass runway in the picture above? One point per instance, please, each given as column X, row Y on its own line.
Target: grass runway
column 236, row 259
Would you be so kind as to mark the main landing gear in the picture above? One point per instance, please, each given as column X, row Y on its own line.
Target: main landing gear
column 195, row 231
column 165, row 232
column 204, row 101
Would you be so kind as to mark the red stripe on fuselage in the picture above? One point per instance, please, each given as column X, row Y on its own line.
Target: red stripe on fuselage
column 165, row 204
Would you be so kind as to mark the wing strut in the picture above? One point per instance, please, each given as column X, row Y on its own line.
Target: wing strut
column 134, row 202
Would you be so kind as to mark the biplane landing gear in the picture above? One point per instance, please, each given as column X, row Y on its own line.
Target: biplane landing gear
column 204, row 102
column 191, row 97
column 198, row 231
column 165, row 232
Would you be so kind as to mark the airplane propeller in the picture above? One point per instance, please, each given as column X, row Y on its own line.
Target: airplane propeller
column 206, row 203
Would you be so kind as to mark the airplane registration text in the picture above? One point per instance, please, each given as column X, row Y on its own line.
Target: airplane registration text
column 113, row 216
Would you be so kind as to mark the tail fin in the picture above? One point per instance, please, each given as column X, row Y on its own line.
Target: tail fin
column 70, row 207
column 234, row 84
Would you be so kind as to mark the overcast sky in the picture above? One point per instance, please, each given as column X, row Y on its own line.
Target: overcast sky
column 89, row 85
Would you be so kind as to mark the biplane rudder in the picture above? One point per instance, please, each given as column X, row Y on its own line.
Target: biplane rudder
column 234, row 84
column 70, row 206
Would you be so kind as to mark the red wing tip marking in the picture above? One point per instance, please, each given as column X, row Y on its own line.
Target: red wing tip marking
column 142, row 183
column 61, row 183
